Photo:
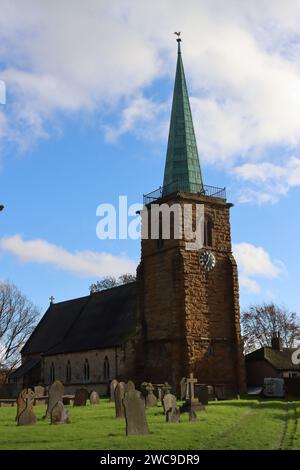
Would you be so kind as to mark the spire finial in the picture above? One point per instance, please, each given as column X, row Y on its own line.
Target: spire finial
column 178, row 39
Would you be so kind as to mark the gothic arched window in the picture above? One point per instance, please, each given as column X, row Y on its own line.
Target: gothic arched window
column 208, row 232
column 86, row 370
column 68, row 372
column 106, row 371
column 52, row 373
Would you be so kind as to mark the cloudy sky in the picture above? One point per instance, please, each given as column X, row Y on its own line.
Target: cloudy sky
column 89, row 86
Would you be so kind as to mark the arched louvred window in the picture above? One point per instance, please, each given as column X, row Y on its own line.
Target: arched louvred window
column 208, row 226
column 106, row 371
column 68, row 372
column 86, row 370
column 52, row 373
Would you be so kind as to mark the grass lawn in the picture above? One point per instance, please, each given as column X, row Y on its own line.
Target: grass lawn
column 234, row 424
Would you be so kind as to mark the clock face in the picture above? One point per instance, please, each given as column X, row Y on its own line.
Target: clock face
column 207, row 260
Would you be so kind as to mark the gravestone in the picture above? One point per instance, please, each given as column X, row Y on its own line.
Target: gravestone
column 173, row 415
column 169, row 402
column 202, row 393
column 25, row 414
column 135, row 413
column 192, row 415
column 166, row 388
column 144, row 389
column 94, row 398
column 151, row 399
column 59, row 414
column 183, row 388
column 112, row 388
column 81, row 396
column 119, row 395
column 39, row 391
column 129, row 386
column 56, row 391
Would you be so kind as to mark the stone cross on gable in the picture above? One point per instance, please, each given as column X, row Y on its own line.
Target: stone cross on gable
column 52, row 299
column 191, row 381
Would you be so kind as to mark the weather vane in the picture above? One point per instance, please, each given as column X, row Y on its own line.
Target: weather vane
column 178, row 36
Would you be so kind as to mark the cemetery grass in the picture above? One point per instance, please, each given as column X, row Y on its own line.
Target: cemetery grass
column 232, row 424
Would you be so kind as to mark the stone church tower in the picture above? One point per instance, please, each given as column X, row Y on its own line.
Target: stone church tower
column 188, row 300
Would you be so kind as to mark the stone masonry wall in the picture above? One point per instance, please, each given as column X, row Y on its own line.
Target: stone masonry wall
column 190, row 317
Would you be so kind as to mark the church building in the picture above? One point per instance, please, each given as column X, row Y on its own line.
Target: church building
column 180, row 316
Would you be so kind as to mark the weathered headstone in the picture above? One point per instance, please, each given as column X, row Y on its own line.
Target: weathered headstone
column 202, row 393
column 112, row 388
column 192, row 415
column 81, row 396
column 119, row 395
column 129, row 386
column 144, row 389
column 135, row 413
column 59, row 414
column 166, row 388
column 39, row 391
column 183, row 388
column 94, row 398
column 56, row 391
column 191, row 403
column 151, row 399
column 173, row 415
column 25, row 414
column 169, row 402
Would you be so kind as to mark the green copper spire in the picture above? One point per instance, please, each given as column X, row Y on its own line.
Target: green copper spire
column 182, row 169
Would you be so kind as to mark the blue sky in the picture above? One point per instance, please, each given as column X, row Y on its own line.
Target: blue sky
column 86, row 120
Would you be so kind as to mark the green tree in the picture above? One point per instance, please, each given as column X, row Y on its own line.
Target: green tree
column 110, row 281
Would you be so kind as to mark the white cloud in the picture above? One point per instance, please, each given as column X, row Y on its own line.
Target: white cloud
column 268, row 181
column 83, row 263
column 254, row 261
column 241, row 61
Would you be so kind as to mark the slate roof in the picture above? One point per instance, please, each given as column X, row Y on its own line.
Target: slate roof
column 280, row 360
column 100, row 320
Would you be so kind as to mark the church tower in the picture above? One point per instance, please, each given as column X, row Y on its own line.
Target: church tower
column 188, row 300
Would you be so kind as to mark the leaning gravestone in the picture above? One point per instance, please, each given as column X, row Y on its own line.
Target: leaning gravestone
column 119, row 395
column 135, row 414
column 173, row 415
column 25, row 414
column 59, row 414
column 94, row 398
column 56, row 391
column 81, row 396
column 151, row 399
column 169, row 402
column 112, row 389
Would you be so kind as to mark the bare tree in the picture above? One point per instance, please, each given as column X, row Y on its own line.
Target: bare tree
column 261, row 322
column 110, row 281
column 18, row 318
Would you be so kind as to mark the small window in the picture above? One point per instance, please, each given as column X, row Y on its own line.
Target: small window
column 207, row 232
column 68, row 372
column 106, row 371
column 86, row 370
column 211, row 351
column 52, row 373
